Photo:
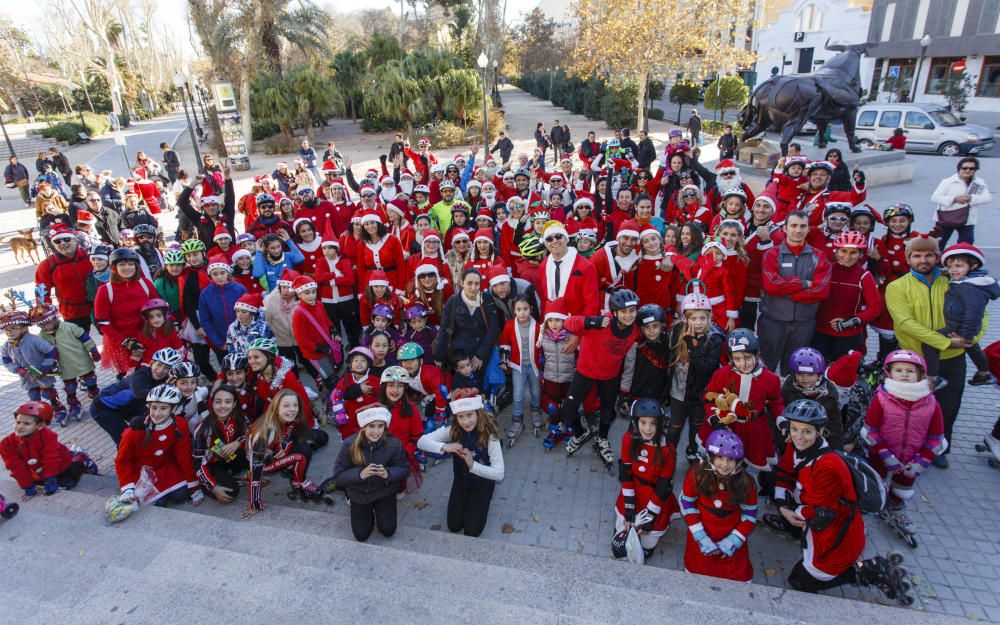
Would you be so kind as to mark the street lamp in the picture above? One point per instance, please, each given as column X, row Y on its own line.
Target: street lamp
column 78, row 109
column 925, row 42
column 180, row 81
column 62, row 96
column 551, row 77
column 482, row 62
column 496, row 87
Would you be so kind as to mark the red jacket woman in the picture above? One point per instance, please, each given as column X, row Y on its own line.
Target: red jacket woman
column 117, row 309
column 760, row 403
column 381, row 252
column 646, row 477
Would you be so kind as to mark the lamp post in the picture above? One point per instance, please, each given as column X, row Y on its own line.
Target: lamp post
column 78, row 108
column 6, row 137
column 925, row 42
column 496, row 86
column 62, row 96
column 180, row 81
column 201, row 103
column 482, row 62
column 551, row 78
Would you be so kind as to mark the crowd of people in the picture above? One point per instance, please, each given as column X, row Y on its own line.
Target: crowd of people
column 410, row 303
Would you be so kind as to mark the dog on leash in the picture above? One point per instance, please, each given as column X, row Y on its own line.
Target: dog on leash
column 23, row 245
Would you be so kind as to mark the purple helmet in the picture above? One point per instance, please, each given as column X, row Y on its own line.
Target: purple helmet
column 807, row 360
column 381, row 310
column 415, row 311
column 725, row 444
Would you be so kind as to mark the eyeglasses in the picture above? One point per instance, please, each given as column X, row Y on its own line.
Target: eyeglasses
column 93, row 199
column 689, row 195
column 643, row 177
column 368, row 195
column 837, row 218
column 554, row 237
column 968, row 168
column 728, row 175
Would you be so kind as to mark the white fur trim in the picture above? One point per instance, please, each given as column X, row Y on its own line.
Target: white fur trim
column 378, row 413
column 462, row 405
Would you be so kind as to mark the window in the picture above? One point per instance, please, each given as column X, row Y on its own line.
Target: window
column 940, row 66
column 918, row 121
column 908, row 19
column 890, row 119
column 939, row 18
column 989, row 78
column 809, row 19
column 867, row 119
column 988, row 17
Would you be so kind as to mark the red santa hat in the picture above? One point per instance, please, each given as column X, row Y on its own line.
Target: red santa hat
column 725, row 166
column 767, row 197
column 474, row 183
column 406, row 173
column 584, row 199
column 423, row 141
column 460, row 235
column 843, row 372
column 304, row 283
column 497, row 274
column 398, row 206
column 338, row 182
column 966, row 249
column 556, row 309
column 426, row 267
column 251, row 302
column 378, row 278
column 557, row 176
column 329, row 238
column 85, row 217
column 713, row 243
column 483, row 234
column 288, row 277
column 465, row 400
column 370, row 215
column 587, row 229
column 210, row 199
column 629, row 228
column 649, row 229
column 484, row 213
column 241, row 253
column 432, row 234
column 221, row 233
column 60, row 232
column 300, row 221
column 372, row 413
column 219, row 262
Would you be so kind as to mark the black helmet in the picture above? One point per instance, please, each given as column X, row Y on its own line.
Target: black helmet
column 185, row 370
column 648, row 313
column 234, row 362
column 646, row 407
column 805, row 411
column 123, row 253
column 145, row 229
column 623, row 298
column 742, row 340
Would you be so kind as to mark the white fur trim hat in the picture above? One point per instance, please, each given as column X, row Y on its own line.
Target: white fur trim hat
column 373, row 414
column 466, row 404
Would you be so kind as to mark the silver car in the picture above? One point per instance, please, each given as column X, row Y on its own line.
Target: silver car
column 928, row 128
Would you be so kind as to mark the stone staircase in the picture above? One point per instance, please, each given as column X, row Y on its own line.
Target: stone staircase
column 27, row 149
column 289, row 564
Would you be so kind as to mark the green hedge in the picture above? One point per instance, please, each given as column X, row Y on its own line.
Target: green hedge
column 715, row 128
column 69, row 130
column 655, row 113
column 615, row 102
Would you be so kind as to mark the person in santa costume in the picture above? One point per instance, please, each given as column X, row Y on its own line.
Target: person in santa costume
column 213, row 210
column 430, row 289
column 269, row 374
column 835, row 219
column 692, row 209
column 147, row 190
column 484, row 256
column 660, row 275
column 616, row 260
column 646, row 500
column 737, row 263
column 380, row 252
column 733, row 207
column 564, row 273
column 726, row 178
column 337, row 288
column 399, row 225
column 117, row 308
column 719, row 504
column 317, row 338
column 786, row 187
column 710, row 269
column 422, row 158
column 379, row 291
column 853, row 303
column 745, row 397
column 308, row 241
column 430, row 254
column 815, row 192
column 583, row 210
column 312, row 207
column 889, row 252
column 761, row 235
column 509, row 251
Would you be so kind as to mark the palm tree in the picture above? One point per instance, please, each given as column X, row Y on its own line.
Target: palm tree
column 463, row 93
column 348, row 70
column 312, row 96
column 392, row 95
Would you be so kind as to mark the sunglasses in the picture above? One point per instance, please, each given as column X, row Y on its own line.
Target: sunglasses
column 368, row 195
column 554, row 237
column 305, row 192
column 689, row 195
column 93, row 200
column 968, row 168
column 728, row 175
column 642, row 177
column 836, row 218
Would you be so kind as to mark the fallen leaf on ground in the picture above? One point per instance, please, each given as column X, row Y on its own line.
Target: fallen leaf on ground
column 420, row 505
column 506, row 528
column 770, row 572
column 536, row 517
column 436, row 527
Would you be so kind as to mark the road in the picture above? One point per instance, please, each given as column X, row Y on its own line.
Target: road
column 144, row 135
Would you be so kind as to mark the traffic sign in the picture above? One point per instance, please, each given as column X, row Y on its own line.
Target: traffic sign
column 893, row 71
column 958, row 67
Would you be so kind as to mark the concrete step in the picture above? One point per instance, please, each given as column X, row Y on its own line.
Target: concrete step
column 530, row 577
column 27, row 149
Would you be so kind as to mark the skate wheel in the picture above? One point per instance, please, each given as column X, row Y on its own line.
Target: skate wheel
column 902, row 572
column 10, row 511
column 292, row 495
column 905, row 586
column 980, row 447
column 895, row 557
column 327, row 500
column 911, row 541
column 907, row 599
column 994, row 463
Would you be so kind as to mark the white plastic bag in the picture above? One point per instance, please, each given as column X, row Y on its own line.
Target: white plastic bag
column 145, row 489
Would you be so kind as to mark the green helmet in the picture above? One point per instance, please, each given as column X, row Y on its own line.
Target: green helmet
column 409, row 351
column 173, row 257
column 191, row 246
column 532, row 247
column 262, row 344
column 396, row 374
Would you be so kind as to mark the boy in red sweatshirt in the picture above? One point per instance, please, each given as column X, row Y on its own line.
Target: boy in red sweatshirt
column 315, row 334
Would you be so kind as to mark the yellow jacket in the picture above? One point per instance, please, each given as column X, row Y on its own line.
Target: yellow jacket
column 918, row 313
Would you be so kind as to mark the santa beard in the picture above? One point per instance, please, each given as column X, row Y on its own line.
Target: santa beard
column 489, row 199
column 728, row 184
column 406, row 186
column 388, row 194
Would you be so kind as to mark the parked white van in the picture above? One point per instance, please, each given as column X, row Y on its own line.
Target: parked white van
column 928, row 127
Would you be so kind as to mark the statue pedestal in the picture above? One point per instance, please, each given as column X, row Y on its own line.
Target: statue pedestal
column 881, row 168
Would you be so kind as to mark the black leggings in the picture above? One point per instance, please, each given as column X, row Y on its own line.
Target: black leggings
column 801, row 580
column 607, row 390
column 468, row 507
column 176, row 497
column 203, row 358
column 70, row 477
column 681, row 412
column 225, row 474
column 365, row 516
column 346, row 313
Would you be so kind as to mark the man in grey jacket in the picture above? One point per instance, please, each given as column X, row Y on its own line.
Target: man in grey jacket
column 796, row 280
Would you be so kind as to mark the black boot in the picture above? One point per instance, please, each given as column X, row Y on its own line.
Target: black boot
column 886, row 346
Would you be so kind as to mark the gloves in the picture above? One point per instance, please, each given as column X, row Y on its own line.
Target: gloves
column 51, row 486
column 31, row 491
column 706, row 544
column 913, row 470
column 644, row 520
column 730, row 544
column 197, row 497
column 322, row 348
column 383, row 158
column 128, row 494
column 593, row 323
column 846, row 324
column 892, row 465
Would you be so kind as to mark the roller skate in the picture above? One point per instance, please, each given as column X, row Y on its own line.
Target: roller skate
column 981, row 378
column 555, row 436
column 75, row 411
column 8, row 508
column 88, row 463
column 575, row 442
column 603, row 449
column 888, row 575
column 515, row 429
column 308, row 491
column 990, row 445
column 692, row 455
column 93, row 392
column 536, row 421
column 60, row 416
column 899, row 522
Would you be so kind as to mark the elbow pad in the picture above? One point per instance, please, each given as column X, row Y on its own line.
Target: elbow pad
column 593, row 323
column 663, row 488
column 624, row 471
column 823, row 518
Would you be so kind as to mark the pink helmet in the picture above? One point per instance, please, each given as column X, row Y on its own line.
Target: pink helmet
column 153, row 304
column 904, row 355
column 696, row 298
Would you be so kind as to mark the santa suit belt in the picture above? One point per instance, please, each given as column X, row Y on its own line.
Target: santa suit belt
column 750, row 418
column 385, row 269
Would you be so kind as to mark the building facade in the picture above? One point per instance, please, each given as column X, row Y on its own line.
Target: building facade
column 925, row 46
column 793, row 33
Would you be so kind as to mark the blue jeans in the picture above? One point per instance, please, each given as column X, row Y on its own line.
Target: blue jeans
column 525, row 380
column 966, row 234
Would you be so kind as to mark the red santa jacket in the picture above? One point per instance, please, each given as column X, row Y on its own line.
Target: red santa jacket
column 386, row 255
column 348, row 398
column 430, row 381
column 760, row 402
column 150, row 194
column 713, row 197
column 34, row 458
column 246, row 279
column 167, row 452
column 814, row 202
column 696, row 213
column 509, row 252
column 602, row 350
column 312, row 254
column 786, row 195
column 156, row 342
column 822, row 239
column 645, row 485
column 853, row 293
column 892, row 252
column 510, row 339
column 717, row 287
column 656, row 286
column 284, row 377
column 407, row 429
column 578, row 286
column 756, row 248
column 613, row 271
column 735, row 284
column 319, row 214
column 309, row 338
column 718, row 516
column 337, row 281
column 68, row 277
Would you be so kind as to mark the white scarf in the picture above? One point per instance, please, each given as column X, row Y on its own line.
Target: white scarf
column 471, row 304
column 910, row 391
column 566, row 268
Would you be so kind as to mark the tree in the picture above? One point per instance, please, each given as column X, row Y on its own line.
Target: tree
column 535, row 42
column 625, row 38
column 463, row 93
column 348, row 70
column 725, row 93
column 684, row 91
column 312, row 96
column 956, row 89
column 392, row 95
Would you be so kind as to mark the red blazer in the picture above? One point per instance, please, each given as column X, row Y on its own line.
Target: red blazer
column 387, row 256
column 34, row 458
column 580, row 294
column 168, row 453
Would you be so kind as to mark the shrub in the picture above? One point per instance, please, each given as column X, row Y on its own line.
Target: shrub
column 655, row 113
column 592, row 98
column 620, row 107
column 262, row 131
column 69, row 129
column 715, row 128
column 280, row 144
